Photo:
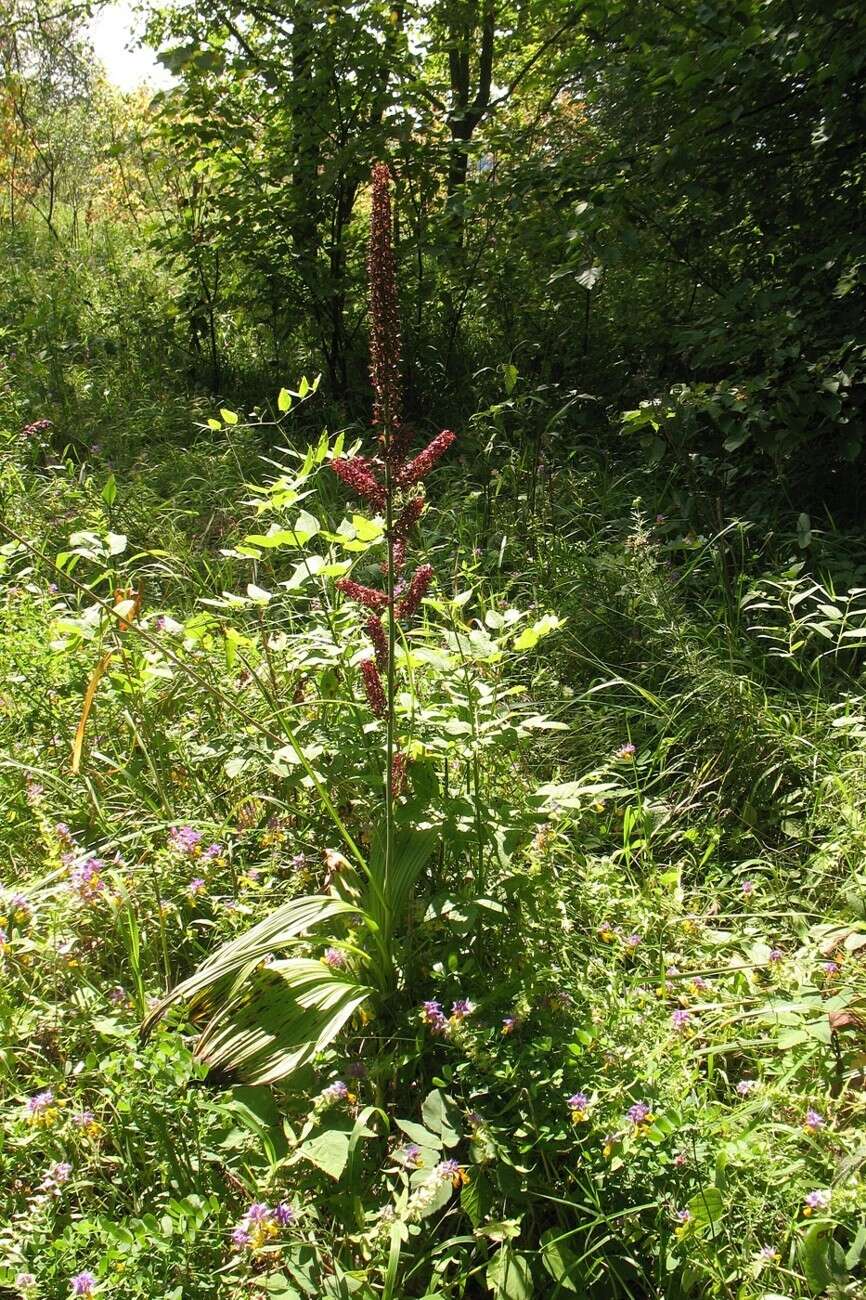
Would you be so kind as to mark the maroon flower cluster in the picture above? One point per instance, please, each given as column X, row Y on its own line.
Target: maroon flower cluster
column 408, row 604
column 363, row 595
column 357, row 475
column 398, row 774
column 390, row 482
column 38, row 426
column 373, row 687
column 379, row 637
column 420, row 467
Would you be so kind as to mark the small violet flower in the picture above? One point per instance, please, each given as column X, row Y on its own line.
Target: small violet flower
column 183, row 839
column 411, row 1155
column 334, row 959
column 41, row 1102
column 433, row 1016
column 579, row 1107
column 336, row 1091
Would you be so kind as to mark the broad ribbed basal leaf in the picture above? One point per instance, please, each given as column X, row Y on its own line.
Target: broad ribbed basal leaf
column 413, row 847
column 285, row 1014
column 240, row 957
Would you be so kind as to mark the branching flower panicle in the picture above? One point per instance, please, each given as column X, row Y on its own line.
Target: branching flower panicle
column 390, row 482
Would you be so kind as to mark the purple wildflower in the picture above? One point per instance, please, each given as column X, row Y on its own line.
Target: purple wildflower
column 578, row 1104
column 433, row 1016
column 639, row 1113
column 776, row 954
column 816, row 1200
column 41, row 1102
column 284, row 1214
column 336, row 1091
column 681, row 1019
column 183, row 839
column 240, row 1236
column 462, row 1007
column 747, row 887
column 55, row 1177
column 86, row 879
column 334, row 959
column 195, row 886
column 745, row 1086
column 83, row 1283
column 633, row 940
column 20, row 908
column 627, row 750
column 813, row 1120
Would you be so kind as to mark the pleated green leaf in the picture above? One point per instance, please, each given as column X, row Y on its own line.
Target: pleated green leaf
column 284, row 1015
column 222, row 975
column 413, row 847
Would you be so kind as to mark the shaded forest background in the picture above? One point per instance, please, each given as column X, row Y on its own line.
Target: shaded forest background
column 652, row 209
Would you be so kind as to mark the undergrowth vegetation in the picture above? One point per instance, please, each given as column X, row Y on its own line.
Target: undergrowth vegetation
column 434, row 858
column 582, row 1016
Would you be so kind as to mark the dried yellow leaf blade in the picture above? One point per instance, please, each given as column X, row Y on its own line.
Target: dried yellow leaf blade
column 89, row 696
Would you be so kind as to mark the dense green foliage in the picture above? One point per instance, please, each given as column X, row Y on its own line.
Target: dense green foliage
column 541, row 973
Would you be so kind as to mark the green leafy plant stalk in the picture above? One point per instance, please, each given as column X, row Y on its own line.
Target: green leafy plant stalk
column 267, row 1021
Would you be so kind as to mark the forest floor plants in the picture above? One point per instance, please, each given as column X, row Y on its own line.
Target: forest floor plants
column 631, row 1065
